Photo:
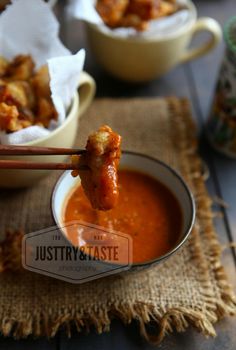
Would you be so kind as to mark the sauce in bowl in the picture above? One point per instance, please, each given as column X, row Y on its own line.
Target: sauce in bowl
column 147, row 211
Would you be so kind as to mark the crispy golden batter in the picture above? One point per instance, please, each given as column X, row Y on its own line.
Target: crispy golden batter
column 144, row 9
column 134, row 13
column 28, row 92
column 12, row 120
column 8, row 117
column 102, row 159
column 13, row 93
column 112, row 11
column 168, row 7
column 40, row 82
column 21, row 68
column 45, row 112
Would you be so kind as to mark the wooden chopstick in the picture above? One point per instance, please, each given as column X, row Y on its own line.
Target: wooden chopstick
column 17, row 164
column 37, row 151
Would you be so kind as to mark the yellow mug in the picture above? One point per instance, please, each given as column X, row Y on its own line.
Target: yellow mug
column 139, row 59
column 63, row 136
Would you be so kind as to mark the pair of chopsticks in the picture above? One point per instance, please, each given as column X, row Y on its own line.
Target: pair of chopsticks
column 37, row 151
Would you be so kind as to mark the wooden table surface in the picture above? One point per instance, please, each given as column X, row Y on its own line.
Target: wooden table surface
column 195, row 80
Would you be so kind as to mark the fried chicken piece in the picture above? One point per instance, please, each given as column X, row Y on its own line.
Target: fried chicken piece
column 11, row 119
column 28, row 89
column 14, row 93
column 45, row 112
column 102, row 157
column 21, row 68
column 3, row 66
column 18, row 95
column 41, row 82
column 139, row 12
column 144, row 9
column 8, row 117
column 167, row 8
column 28, row 92
column 136, row 13
column 112, row 11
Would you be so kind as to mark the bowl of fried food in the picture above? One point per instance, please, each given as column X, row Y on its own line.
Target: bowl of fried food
column 131, row 202
column 25, row 101
column 146, row 54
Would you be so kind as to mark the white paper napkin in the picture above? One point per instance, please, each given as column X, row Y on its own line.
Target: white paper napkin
column 30, row 27
column 85, row 10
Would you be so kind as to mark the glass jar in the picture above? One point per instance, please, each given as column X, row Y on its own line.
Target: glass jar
column 221, row 126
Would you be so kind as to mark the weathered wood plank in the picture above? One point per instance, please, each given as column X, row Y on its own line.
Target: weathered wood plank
column 203, row 74
column 226, row 175
column 28, row 344
column 127, row 337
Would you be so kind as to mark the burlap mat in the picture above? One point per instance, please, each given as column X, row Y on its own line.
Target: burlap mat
column 189, row 288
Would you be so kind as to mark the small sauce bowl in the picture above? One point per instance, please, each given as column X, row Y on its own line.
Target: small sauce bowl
column 149, row 166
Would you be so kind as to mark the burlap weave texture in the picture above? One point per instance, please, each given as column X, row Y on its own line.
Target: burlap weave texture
column 189, row 288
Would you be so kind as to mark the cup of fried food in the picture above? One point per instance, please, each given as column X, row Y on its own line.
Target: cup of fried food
column 43, row 89
column 140, row 40
column 27, row 110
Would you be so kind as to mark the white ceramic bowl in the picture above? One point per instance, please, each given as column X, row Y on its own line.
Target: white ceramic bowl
column 150, row 166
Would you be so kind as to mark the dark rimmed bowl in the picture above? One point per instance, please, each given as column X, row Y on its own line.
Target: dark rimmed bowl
column 150, row 166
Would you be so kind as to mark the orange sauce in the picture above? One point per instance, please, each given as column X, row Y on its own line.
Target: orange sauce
column 146, row 210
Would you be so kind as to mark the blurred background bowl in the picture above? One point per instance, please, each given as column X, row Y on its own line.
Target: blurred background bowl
column 140, row 59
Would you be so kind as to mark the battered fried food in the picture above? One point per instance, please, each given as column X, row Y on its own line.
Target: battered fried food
column 112, row 11
column 12, row 120
column 40, row 82
column 134, row 13
column 25, row 95
column 144, row 9
column 17, row 93
column 102, row 158
column 21, row 68
column 8, row 117
column 45, row 110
